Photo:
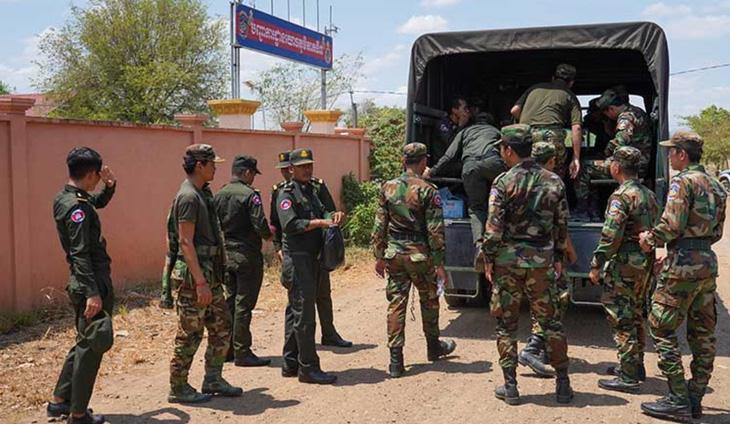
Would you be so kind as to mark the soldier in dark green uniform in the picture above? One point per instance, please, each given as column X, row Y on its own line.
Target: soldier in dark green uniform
column 549, row 108
column 409, row 241
column 693, row 220
column 330, row 336
column 89, row 287
column 632, row 209
column 166, row 301
column 525, row 241
column 198, row 275
column 475, row 147
column 241, row 214
column 302, row 218
column 455, row 120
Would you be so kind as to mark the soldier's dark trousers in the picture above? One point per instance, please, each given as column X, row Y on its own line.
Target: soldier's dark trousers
column 76, row 382
column 242, row 290
column 300, row 322
column 324, row 302
column 477, row 177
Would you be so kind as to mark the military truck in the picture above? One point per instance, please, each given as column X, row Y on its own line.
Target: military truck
column 497, row 66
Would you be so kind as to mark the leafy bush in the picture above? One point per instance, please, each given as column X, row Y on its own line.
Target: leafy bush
column 361, row 200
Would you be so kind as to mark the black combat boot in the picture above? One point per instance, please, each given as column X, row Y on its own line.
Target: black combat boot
column 674, row 406
column 314, row 375
column 397, row 368
column 335, row 340
column 535, row 357
column 594, row 214
column 508, row 392
column 580, row 213
column 86, row 419
column 695, row 399
column 615, row 370
column 437, row 348
column 563, row 391
column 620, row 384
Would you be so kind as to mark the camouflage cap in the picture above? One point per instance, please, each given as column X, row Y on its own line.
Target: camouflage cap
column 283, row 159
column 628, row 156
column 203, row 152
column 301, row 157
column 247, row 162
column 566, row 72
column 621, row 92
column 607, row 99
column 415, row 150
column 542, row 151
column 684, row 139
column 516, row 134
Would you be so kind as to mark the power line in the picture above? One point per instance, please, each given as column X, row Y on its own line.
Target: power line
column 689, row 71
column 379, row 92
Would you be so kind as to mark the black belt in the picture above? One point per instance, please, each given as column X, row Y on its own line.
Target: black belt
column 407, row 236
column 207, row 251
column 690, row 244
column 629, row 247
column 547, row 127
column 480, row 157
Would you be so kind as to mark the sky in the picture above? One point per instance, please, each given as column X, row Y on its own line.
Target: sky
column 698, row 32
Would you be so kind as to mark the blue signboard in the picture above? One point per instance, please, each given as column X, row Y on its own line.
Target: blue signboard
column 262, row 32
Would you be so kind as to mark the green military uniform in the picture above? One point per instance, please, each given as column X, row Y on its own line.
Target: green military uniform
column 692, row 221
column 445, row 134
column 241, row 213
column 549, row 108
column 196, row 205
column 475, row 147
column 632, row 129
column 79, row 229
column 171, row 237
column 296, row 205
column 273, row 214
column 526, row 233
column 632, row 209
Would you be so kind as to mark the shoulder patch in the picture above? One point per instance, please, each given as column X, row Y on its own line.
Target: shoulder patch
column 444, row 127
column 614, row 208
column 437, row 200
column 623, row 123
column 673, row 191
column 493, row 195
column 256, row 199
column 285, row 204
column 78, row 216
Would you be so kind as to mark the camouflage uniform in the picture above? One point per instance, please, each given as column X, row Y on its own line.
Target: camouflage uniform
column 409, row 235
column 693, row 220
column 632, row 129
column 171, row 239
column 526, row 234
column 632, row 209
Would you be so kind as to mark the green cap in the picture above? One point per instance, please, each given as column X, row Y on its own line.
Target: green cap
column 203, row 152
column 684, row 139
column 301, row 157
column 415, row 150
column 283, row 159
column 566, row 72
column 628, row 156
column 516, row 134
column 607, row 99
column 246, row 161
column 542, row 151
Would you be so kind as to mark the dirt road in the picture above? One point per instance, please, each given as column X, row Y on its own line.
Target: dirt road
column 460, row 389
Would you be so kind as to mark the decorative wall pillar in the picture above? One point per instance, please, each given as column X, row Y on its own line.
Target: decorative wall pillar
column 323, row 121
column 234, row 113
column 194, row 122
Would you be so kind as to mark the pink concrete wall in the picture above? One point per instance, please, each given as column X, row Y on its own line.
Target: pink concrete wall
column 147, row 163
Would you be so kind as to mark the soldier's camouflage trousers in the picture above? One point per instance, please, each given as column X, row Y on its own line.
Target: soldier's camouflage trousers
column 623, row 299
column 674, row 301
column 564, row 295
column 193, row 319
column 590, row 170
column 556, row 136
column 402, row 272
column 538, row 284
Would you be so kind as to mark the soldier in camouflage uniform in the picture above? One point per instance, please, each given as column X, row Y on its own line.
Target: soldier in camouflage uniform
column 198, row 276
column 692, row 221
column 408, row 236
column 524, row 246
column 241, row 214
column 632, row 209
column 330, row 336
column 632, row 129
column 166, row 301
column 549, row 108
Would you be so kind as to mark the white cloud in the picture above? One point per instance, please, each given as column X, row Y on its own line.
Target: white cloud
column 374, row 65
column 18, row 72
column 682, row 23
column 439, row 3
column 663, row 9
column 423, row 24
column 689, row 94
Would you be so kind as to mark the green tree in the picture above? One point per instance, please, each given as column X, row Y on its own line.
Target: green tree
column 4, row 88
column 135, row 60
column 287, row 90
column 713, row 124
column 386, row 126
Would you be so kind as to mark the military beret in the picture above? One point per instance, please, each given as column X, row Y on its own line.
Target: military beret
column 246, row 161
column 628, row 156
column 542, row 151
column 516, row 134
column 283, row 159
column 203, row 152
column 566, row 72
column 301, row 157
column 607, row 99
column 684, row 139
column 415, row 150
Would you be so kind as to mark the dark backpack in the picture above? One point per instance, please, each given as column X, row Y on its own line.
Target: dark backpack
column 333, row 252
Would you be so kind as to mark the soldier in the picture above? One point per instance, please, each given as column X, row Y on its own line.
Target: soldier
column 524, row 246
column 475, row 147
column 330, row 336
column 302, row 218
column 166, row 301
column 549, row 108
column 632, row 209
column 692, row 221
column 409, row 241
column 198, row 275
column 90, row 286
column 241, row 214
column 632, row 129
column 456, row 119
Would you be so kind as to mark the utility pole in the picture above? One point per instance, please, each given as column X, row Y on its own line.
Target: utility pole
column 235, row 55
column 329, row 30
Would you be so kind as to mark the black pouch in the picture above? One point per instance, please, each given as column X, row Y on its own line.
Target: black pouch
column 333, row 251
column 100, row 334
